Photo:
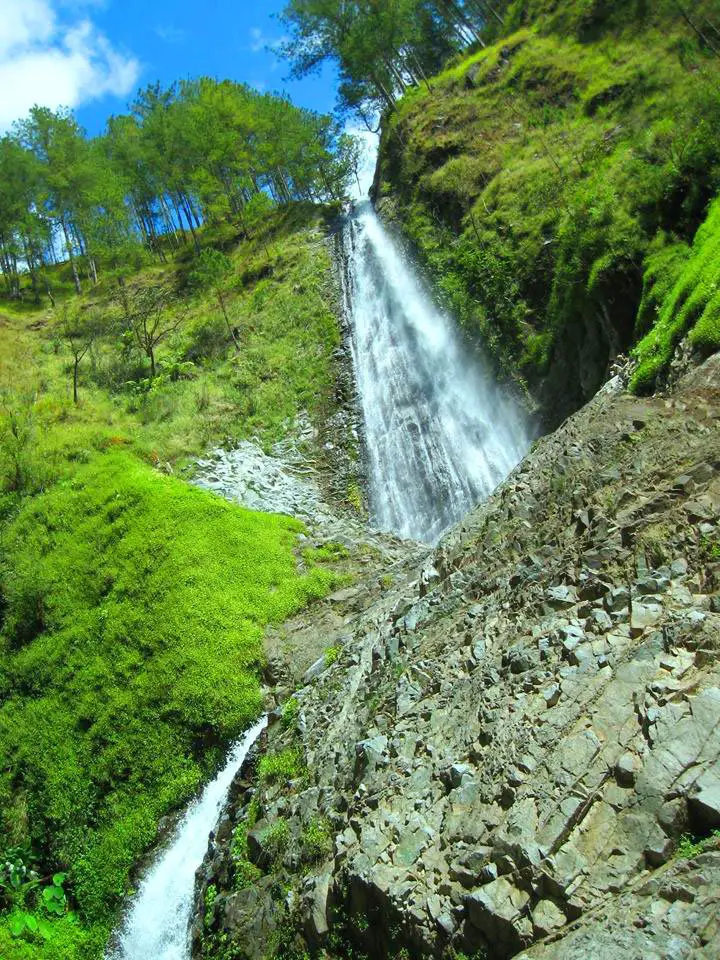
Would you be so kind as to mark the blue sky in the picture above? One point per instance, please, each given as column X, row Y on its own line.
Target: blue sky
column 92, row 55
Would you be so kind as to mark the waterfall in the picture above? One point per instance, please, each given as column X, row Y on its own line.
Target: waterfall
column 157, row 923
column 439, row 432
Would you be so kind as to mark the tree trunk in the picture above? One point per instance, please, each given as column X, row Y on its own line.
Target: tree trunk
column 68, row 247
column 75, row 379
column 221, row 301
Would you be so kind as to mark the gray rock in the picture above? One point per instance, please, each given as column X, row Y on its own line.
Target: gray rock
column 547, row 917
column 626, row 769
column 645, row 615
column 705, row 804
column 561, row 597
column 315, row 907
column 495, row 910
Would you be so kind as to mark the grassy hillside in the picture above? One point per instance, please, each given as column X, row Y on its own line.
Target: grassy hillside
column 540, row 179
column 132, row 605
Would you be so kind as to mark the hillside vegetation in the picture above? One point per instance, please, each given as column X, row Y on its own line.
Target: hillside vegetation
column 133, row 605
column 556, row 178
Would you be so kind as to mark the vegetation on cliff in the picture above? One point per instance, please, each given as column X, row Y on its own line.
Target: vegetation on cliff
column 543, row 177
column 133, row 605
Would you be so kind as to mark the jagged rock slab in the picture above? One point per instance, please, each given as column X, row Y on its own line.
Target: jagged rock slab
column 507, row 753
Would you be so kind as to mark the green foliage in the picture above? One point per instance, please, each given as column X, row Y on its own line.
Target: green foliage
column 210, row 898
column 690, row 847
column 331, row 655
column 542, row 174
column 134, row 612
column 200, row 152
column 685, row 286
column 275, row 840
column 280, row 767
column 316, row 840
column 245, row 873
column 290, row 713
column 212, row 270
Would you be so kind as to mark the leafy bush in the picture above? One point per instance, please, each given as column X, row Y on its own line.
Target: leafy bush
column 290, row 712
column 317, row 840
column 280, row 767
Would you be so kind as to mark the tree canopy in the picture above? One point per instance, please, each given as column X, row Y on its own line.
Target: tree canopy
column 197, row 152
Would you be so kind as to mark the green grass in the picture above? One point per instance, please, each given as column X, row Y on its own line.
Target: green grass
column 133, row 624
column 281, row 300
column 689, row 301
column 133, row 606
column 539, row 174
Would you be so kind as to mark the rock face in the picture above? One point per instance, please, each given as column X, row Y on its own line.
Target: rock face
column 504, row 756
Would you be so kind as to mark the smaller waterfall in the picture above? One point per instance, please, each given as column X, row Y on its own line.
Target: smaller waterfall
column 440, row 434
column 158, row 921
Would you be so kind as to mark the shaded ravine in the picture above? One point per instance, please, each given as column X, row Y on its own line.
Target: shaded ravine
column 156, row 926
column 440, row 434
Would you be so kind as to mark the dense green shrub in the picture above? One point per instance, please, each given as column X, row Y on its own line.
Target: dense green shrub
column 280, row 767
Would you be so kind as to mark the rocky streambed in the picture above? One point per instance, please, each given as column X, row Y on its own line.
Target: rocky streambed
column 513, row 733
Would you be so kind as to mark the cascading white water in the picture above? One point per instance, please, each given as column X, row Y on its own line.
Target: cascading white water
column 440, row 434
column 157, row 923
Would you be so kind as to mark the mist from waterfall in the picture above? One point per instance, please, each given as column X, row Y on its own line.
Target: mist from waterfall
column 157, row 926
column 440, row 434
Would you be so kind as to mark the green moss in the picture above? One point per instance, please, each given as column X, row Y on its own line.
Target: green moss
column 543, row 173
column 331, row 655
column 280, row 767
column 134, row 614
column 688, row 300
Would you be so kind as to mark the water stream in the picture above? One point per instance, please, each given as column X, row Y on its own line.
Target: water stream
column 440, row 435
column 157, row 923
column 439, row 432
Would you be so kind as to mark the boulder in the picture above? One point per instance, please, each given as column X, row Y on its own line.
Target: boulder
column 495, row 911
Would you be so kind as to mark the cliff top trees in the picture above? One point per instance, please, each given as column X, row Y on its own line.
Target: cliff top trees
column 197, row 152
column 382, row 47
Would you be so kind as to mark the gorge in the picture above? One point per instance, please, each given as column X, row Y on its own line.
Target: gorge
column 359, row 564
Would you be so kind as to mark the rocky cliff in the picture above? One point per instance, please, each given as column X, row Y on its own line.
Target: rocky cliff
column 508, row 742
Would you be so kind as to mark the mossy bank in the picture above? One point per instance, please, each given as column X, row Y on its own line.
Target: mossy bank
column 554, row 181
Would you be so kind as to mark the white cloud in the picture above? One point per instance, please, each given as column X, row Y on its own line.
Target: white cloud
column 259, row 42
column 52, row 61
column 170, row 34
